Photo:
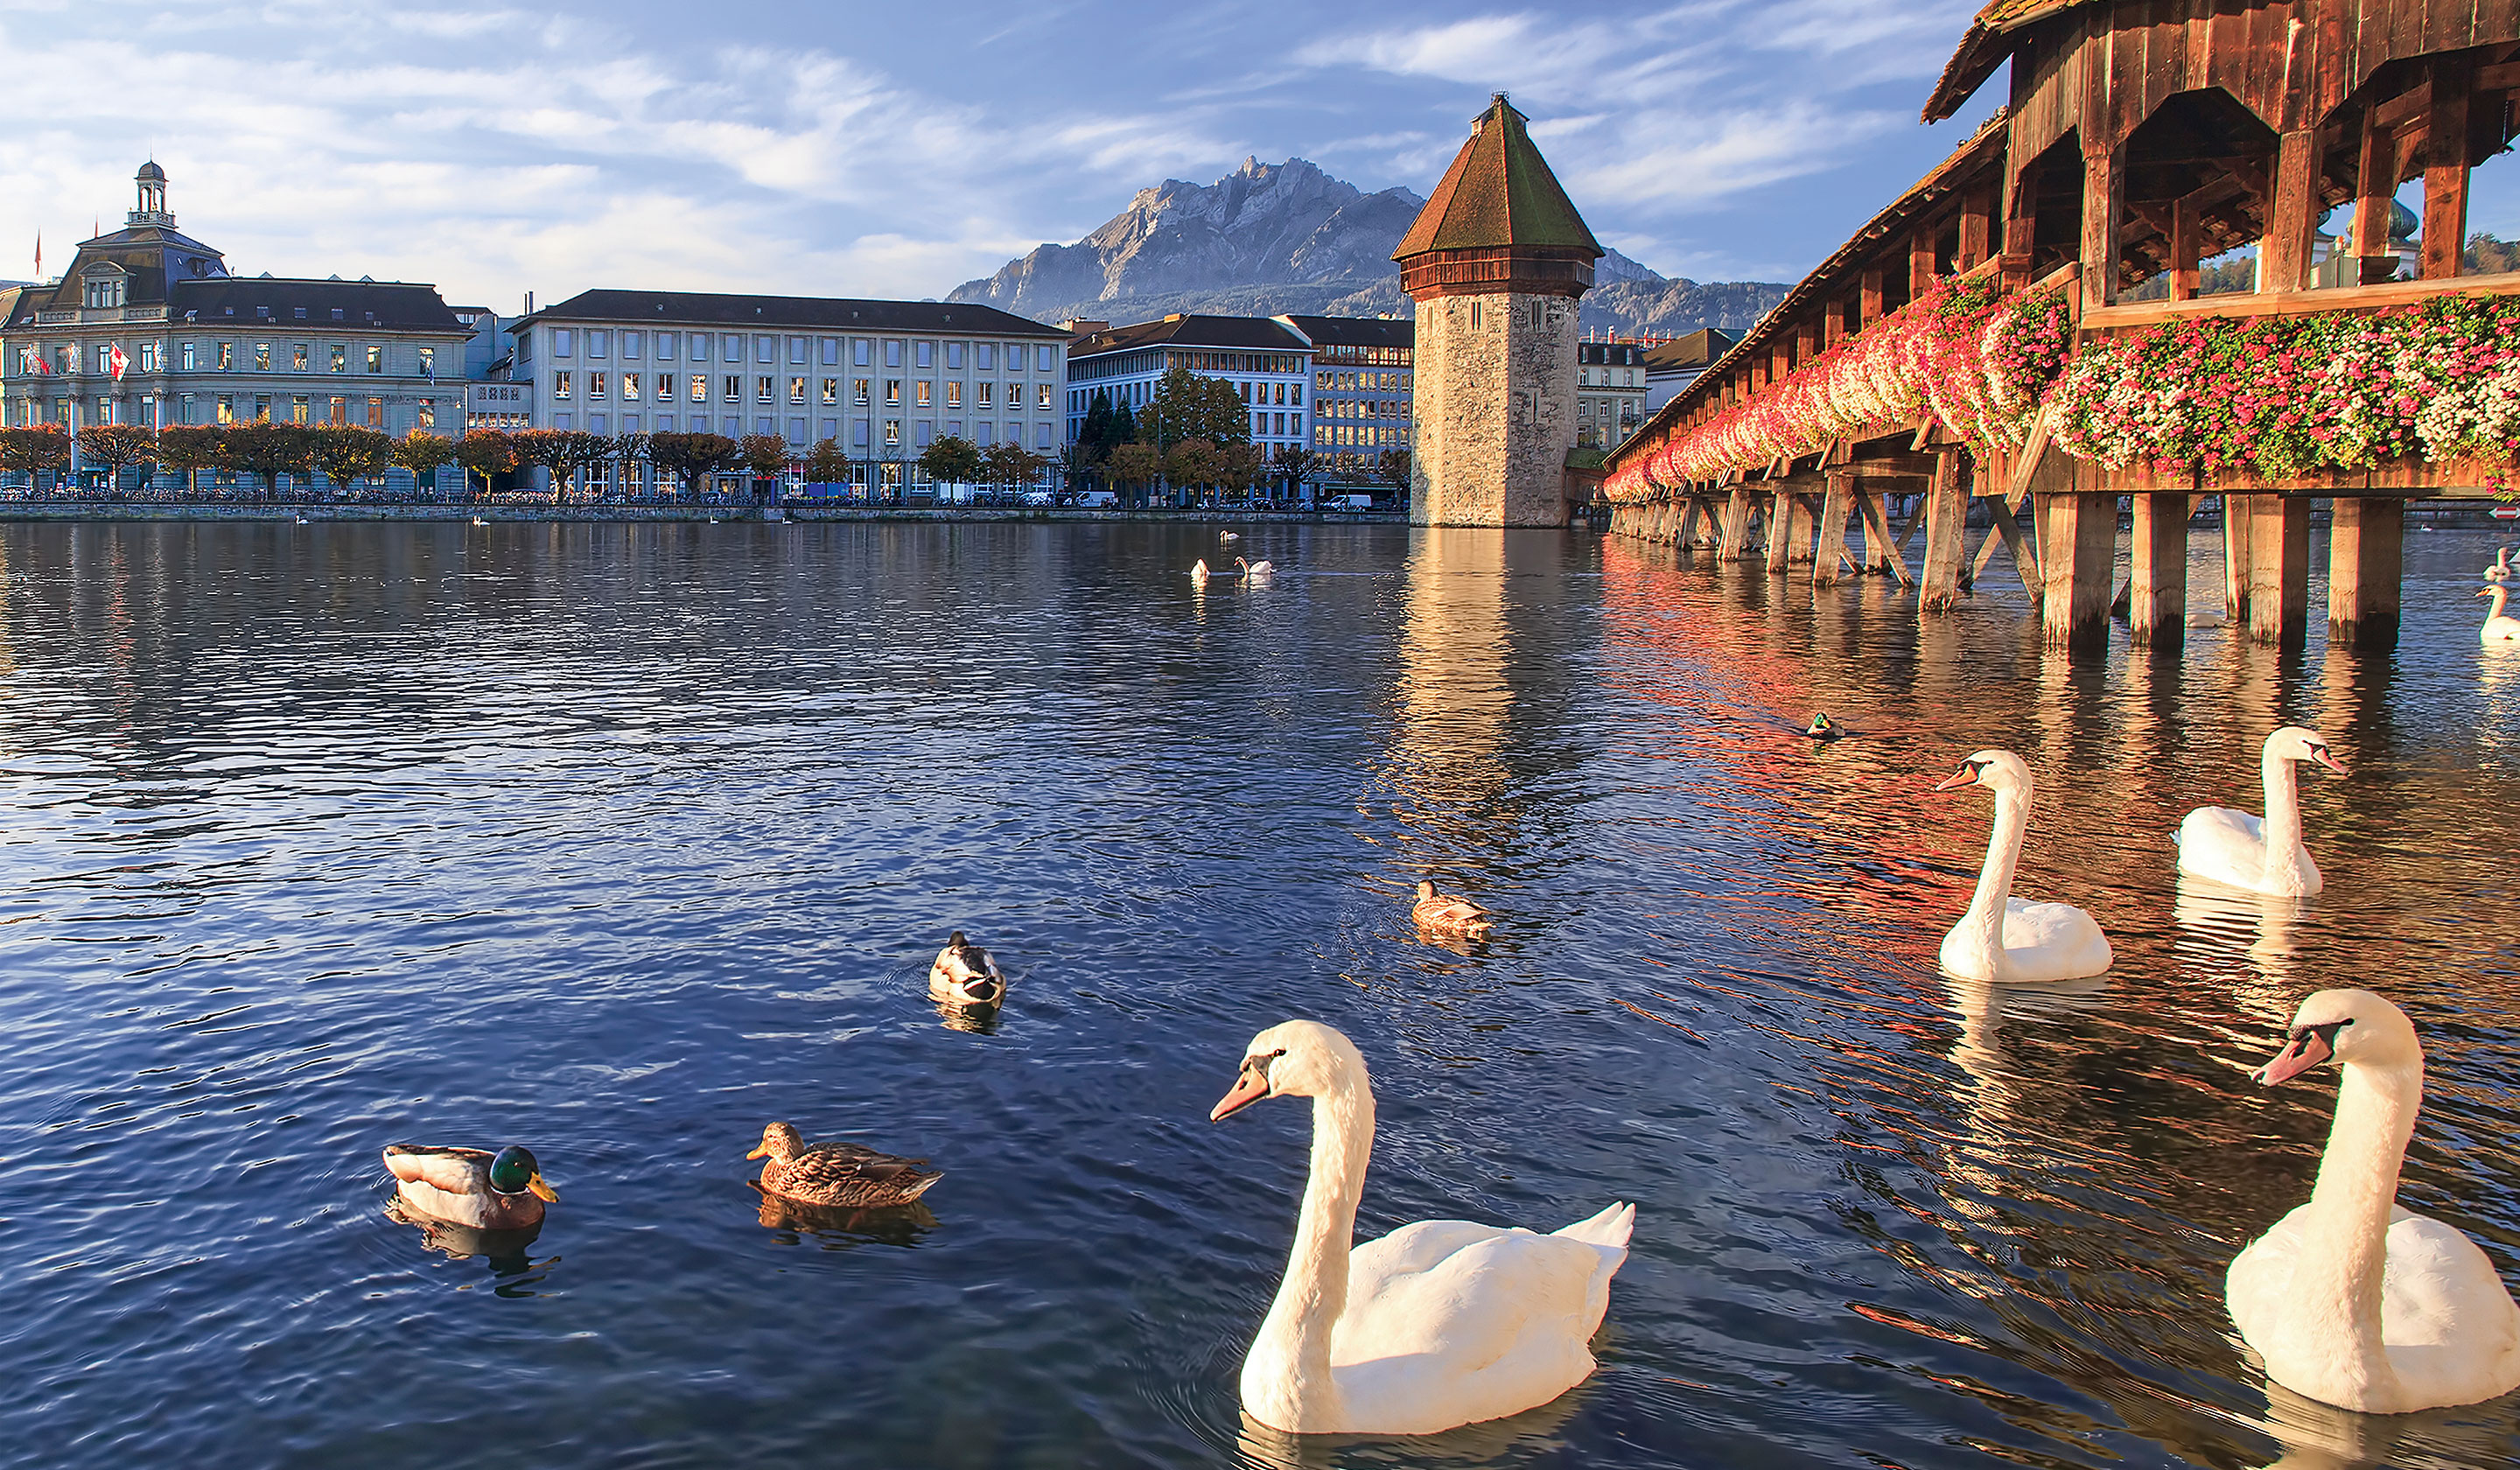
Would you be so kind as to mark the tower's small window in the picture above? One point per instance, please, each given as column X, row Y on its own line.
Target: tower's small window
column 1475, row 316
column 1539, row 315
column 105, row 289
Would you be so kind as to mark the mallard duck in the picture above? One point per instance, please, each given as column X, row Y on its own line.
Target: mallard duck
column 467, row 1186
column 839, row 1174
column 1822, row 727
column 1450, row 912
column 965, row 972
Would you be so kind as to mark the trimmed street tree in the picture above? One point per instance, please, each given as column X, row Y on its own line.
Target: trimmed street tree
column 489, row 453
column 267, row 448
column 766, row 456
column 1293, row 464
column 348, row 453
column 117, row 447
column 692, row 458
column 422, row 452
column 189, row 447
column 542, row 449
column 1136, row 465
column 629, row 452
column 34, row 449
column 1010, row 465
column 827, row 464
column 955, row 460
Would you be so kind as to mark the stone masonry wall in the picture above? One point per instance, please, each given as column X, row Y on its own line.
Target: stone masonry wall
column 1495, row 409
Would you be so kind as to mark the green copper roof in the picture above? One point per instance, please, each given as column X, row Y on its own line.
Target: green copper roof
column 1498, row 192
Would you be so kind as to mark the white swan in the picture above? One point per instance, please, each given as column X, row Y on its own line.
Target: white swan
column 1439, row 1323
column 2231, row 846
column 1256, row 572
column 2500, row 570
column 1198, row 570
column 2351, row 1300
column 2498, row 628
column 1228, row 535
column 2001, row 937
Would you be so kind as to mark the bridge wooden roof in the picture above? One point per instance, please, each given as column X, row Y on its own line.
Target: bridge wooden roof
column 1983, row 50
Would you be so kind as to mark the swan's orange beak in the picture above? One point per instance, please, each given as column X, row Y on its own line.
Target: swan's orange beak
column 1964, row 776
column 1248, row 1088
column 2321, row 756
column 2309, row 1047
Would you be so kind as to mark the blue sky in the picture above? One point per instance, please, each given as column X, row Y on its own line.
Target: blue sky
column 900, row 149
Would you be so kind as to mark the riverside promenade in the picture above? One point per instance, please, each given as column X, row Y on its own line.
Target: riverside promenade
column 447, row 511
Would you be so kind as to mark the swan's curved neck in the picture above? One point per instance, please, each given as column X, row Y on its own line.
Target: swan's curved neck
column 2345, row 1249
column 2282, row 831
column 1995, row 879
column 2502, row 595
column 1289, row 1363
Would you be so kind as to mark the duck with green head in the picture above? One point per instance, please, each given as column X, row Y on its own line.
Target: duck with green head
column 468, row 1186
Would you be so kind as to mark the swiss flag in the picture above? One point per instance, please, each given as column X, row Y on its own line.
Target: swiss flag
column 118, row 361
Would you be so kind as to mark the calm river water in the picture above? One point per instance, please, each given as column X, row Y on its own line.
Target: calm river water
column 620, row 842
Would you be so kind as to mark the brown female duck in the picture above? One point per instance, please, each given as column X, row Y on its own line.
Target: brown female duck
column 839, row 1174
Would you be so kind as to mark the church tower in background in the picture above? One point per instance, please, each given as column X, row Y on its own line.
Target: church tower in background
column 1495, row 262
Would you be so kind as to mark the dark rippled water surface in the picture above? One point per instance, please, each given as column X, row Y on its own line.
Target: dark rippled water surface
column 621, row 841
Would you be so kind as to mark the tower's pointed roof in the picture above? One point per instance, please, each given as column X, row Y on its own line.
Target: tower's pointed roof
column 1498, row 192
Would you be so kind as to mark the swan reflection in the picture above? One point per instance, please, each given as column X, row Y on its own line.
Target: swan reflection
column 2218, row 921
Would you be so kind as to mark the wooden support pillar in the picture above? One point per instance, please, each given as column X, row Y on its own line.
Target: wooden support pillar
column 2103, row 204
column 1833, row 510
column 2184, row 275
column 1946, row 517
column 1880, row 548
column 2236, row 520
column 2020, row 226
column 1976, row 231
column 1874, row 298
column 2375, row 187
column 1780, row 520
column 1735, row 542
column 2157, row 577
column 2284, row 256
column 1800, row 524
column 2445, row 169
column 2078, row 545
column 2279, row 568
column 2366, row 557
column 1921, row 262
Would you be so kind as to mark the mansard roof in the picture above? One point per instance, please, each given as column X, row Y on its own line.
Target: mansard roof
column 1499, row 193
column 150, row 256
column 1357, row 331
column 1192, row 330
column 836, row 313
column 391, row 305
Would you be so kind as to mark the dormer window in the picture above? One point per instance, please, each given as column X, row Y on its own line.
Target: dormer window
column 104, row 290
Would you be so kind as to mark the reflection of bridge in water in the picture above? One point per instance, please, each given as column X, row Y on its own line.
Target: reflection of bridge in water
column 2139, row 140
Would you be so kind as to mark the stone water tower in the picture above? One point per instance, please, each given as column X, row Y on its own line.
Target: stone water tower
column 1495, row 262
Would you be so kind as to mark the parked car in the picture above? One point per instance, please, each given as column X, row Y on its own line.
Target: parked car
column 1348, row 503
column 1039, row 498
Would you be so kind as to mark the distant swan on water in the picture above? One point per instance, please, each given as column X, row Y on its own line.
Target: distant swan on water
column 1256, row 572
column 2500, row 570
column 2262, row 855
column 2498, row 629
column 2001, row 938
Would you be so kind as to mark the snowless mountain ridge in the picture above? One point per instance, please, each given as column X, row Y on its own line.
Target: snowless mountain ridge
column 1272, row 237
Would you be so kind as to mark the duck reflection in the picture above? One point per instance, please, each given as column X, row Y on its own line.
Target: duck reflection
column 503, row 1251
column 838, row 1228
column 970, row 1016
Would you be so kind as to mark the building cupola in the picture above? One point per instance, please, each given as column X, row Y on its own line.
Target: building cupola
column 152, row 182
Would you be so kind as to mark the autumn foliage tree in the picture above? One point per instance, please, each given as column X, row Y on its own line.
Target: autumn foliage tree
column 189, row 448
column 693, row 458
column 117, row 447
column 1011, row 464
column 767, row 457
column 1188, row 406
column 827, row 464
column 489, row 453
column 954, row 461
column 422, row 452
column 264, row 448
column 1136, row 464
column 348, row 453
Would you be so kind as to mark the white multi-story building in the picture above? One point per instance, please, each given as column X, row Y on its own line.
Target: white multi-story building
column 1364, row 379
column 1267, row 360
column 1609, row 392
column 883, row 378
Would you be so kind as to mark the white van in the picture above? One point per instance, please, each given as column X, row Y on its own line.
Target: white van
column 1096, row 500
column 1348, row 503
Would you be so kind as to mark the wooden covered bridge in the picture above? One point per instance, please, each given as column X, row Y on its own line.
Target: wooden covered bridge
column 1977, row 336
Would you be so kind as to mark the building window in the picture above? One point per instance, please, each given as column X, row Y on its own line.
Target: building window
column 893, row 352
column 830, row 392
column 985, row 357
column 734, row 389
column 1040, row 434
column 375, row 413
column 921, row 391
column 729, row 349
column 428, row 412
column 765, row 389
column 297, row 409
column 700, row 387
column 340, row 358
column 665, row 380
column 862, row 429
column 226, row 409
column 1043, row 395
column 630, row 388
column 953, row 395
column 560, row 384
column 1041, row 359
column 560, row 342
column 262, row 357
column 227, row 360
column 376, row 359
column 987, row 392
column 796, row 358
column 665, row 347
column 831, row 359
column 859, row 388
column 859, row 351
column 927, row 434
column 892, row 392
column 105, row 289
column 149, row 356
column 927, row 355
column 796, row 385
column 892, row 431
column 297, row 357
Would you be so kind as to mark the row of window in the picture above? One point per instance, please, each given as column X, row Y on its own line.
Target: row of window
column 1611, row 378
column 1354, row 437
column 226, row 407
column 1138, row 395
column 1360, row 382
column 631, row 387
column 598, row 343
column 1361, row 407
column 860, row 432
column 1371, row 356
column 223, row 357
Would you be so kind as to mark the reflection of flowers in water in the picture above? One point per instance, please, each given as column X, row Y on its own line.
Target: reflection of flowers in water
column 504, row 1252
column 840, row 1228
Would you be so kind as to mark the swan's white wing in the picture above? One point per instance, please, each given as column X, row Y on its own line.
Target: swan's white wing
column 2052, row 942
column 1450, row 1323
column 2227, row 845
column 2450, row 1327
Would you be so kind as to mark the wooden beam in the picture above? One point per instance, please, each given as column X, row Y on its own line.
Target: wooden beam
column 1977, row 226
column 2405, row 107
column 2280, row 569
column 1832, row 528
column 2365, row 561
column 1922, row 263
column 1945, row 513
column 2283, row 257
column 2157, row 583
column 2184, row 275
column 2445, row 169
column 1734, row 541
column 2237, row 519
column 2103, row 204
column 2301, row 302
column 1880, row 548
column 2026, row 463
column 2374, row 193
column 2078, row 539
column 1875, row 295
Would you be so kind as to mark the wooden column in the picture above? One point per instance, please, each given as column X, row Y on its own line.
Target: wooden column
column 2279, row 568
column 2157, row 581
column 2184, row 246
column 1877, row 294
column 1780, row 520
column 1799, row 526
column 1921, row 254
column 2020, row 227
column 2284, row 256
column 2366, row 557
column 1976, row 231
column 1735, row 542
column 1946, row 549
column 1833, row 511
column 2103, row 203
column 2237, row 519
column 2078, row 544
column 2375, row 187
column 2445, row 169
